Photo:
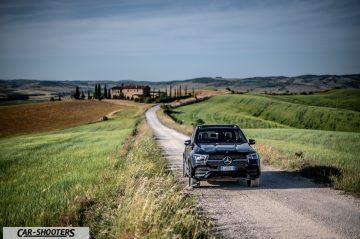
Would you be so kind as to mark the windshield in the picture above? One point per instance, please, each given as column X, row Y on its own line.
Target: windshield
column 220, row 136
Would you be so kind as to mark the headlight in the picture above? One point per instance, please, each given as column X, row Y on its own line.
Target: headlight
column 253, row 158
column 200, row 158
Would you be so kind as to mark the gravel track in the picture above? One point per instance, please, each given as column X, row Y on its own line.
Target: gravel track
column 286, row 205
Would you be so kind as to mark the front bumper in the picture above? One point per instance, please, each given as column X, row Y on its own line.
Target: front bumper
column 208, row 172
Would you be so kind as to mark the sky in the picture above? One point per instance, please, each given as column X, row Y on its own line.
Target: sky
column 160, row 40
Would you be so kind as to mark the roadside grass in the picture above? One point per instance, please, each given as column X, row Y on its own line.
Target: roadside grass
column 258, row 111
column 327, row 156
column 341, row 98
column 166, row 120
column 148, row 201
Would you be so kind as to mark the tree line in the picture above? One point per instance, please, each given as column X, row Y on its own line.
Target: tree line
column 98, row 93
column 157, row 96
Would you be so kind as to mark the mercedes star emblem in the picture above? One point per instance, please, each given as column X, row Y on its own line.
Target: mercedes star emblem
column 227, row 160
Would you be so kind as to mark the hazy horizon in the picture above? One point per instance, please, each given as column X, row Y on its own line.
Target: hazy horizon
column 218, row 78
column 164, row 40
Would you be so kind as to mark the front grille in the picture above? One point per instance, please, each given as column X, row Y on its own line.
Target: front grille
column 232, row 155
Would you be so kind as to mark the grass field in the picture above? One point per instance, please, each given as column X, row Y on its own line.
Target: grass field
column 107, row 175
column 280, row 130
column 257, row 111
column 336, row 151
column 43, row 117
column 342, row 98
column 44, row 175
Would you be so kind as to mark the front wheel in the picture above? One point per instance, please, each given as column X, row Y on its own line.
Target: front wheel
column 185, row 170
column 193, row 183
column 253, row 182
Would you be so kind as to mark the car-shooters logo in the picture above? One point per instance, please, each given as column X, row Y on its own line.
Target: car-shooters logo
column 46, row 232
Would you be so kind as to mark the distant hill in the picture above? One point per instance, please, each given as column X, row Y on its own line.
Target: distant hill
column 41, row 90
column 303, row 83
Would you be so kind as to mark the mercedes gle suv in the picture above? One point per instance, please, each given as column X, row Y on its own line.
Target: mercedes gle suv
column 220, row 152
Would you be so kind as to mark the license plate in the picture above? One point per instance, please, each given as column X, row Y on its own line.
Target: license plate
column 227, row 168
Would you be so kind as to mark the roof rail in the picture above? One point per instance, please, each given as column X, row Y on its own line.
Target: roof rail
column 218, row 125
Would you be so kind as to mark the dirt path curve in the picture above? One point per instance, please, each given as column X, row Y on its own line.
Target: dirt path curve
column 285, row 206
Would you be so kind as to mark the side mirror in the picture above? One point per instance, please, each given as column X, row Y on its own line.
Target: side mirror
column 187, row 142
column 251, row 141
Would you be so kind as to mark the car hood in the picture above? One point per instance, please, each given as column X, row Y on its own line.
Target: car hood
column 218, row 148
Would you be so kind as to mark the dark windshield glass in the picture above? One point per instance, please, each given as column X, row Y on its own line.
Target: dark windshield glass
column 220, row 136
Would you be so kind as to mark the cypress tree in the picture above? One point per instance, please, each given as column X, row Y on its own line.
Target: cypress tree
column 170, row 91
column 180, row 91
column 105, row 92
column 109, row 94
column 95, row 92
column 77, row 93
column 99, row 91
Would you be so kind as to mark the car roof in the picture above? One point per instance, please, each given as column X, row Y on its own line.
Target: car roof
column 210, row 126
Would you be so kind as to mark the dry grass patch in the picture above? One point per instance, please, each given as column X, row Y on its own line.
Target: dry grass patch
column 210, row 92
column 49, row 116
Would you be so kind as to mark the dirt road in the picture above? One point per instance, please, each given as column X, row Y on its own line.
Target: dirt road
column 285, row 206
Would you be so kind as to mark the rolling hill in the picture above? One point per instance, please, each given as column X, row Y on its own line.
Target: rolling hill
column 261, row 111
column 36, row 90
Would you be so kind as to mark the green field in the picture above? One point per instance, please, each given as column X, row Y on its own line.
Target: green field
column 336, row 150
column 343, row 99
column 324, row 136
column 258, row 111
column 108, row 175
column 45, row 175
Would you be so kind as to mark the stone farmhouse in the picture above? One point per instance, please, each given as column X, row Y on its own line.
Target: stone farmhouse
column 130, row 91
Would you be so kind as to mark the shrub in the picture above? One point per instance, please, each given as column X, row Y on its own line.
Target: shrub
column 167, row 109
column 147, row 100
column 198, row 122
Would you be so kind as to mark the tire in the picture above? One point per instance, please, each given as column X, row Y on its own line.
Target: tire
column 193, row 183
column 185, row 173
column 253, row 183
column 248, row 182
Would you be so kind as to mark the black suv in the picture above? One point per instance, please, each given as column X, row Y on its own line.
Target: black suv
column 220, row 152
